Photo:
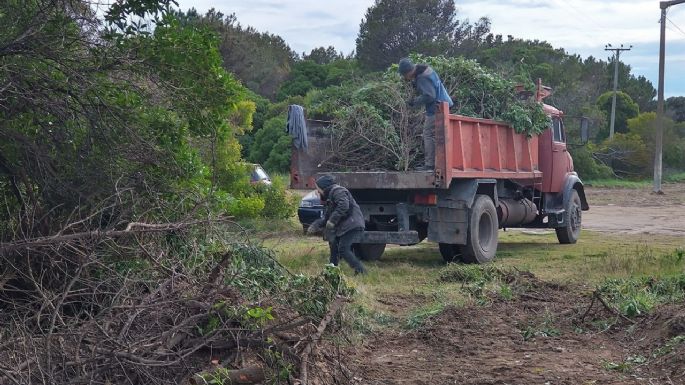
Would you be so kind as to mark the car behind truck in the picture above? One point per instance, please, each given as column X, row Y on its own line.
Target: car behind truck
column 487, row 177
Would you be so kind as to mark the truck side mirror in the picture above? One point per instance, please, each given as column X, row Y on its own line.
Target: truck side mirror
column 584, row 130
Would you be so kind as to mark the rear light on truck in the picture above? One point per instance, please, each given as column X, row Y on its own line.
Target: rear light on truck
column 425, row 199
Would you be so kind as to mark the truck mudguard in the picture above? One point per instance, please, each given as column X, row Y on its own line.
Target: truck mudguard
column 449, row 217
column 573, row 182
column 466, row 189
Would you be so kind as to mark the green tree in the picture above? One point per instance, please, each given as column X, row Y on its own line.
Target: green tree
column 675, row 108
column 626, row 109
column 323, row 55
column 272, row 146
column 81, row 122
column 644, row 125
column 392, row 29
column 261, row 60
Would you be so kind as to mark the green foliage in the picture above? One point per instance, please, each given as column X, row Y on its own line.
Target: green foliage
column 481, row 93
column 245, row 207
column 644, row 125
column 421, row 316
column 255, row 273
column 323, row 55
column 675, row 108
column 669, row 346
column 260, row 316
column 626, row 154
column 637, row 296
column 392, row 29
column 278, row 204
column 272, row 146
column 626, row 109
column 473, row 273
column 373, row 128
column 308, row 74
column 587, row 167
column 542, row 328
column 260, row 60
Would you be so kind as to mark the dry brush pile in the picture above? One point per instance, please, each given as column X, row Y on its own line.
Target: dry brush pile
column 189, row 302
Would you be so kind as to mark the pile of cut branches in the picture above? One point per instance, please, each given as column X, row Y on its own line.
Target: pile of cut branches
column 374, row 129
column 165, row 303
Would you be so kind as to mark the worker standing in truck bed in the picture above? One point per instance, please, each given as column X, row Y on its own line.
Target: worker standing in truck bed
column 431, row 92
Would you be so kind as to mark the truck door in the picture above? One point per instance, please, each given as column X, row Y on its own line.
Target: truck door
column 562, row 164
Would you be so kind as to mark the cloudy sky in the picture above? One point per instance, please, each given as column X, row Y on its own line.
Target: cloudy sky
column 580, row 26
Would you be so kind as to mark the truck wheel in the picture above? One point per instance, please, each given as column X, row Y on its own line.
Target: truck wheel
column 571, row 232
column 449, row 252
column 481, row 240
column 369, row 251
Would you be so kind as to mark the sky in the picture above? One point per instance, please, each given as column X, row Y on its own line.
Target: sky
column 581, row 27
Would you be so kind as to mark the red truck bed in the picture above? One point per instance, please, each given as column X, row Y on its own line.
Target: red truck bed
column 465, row 148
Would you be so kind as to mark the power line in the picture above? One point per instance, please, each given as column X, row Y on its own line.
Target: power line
column 676, row 26
column 617, row 54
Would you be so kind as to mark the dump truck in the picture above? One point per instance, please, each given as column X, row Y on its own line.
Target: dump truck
column 487, row 177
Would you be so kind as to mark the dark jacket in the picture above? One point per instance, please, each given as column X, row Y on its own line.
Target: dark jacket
column 430, row 88
column 342, row 210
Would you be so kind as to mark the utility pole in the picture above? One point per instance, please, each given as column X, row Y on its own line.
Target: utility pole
column 617, row 54
column 658, row 148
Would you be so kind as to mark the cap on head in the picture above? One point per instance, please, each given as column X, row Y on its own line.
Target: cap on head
column 325, row 181
column 405, row 66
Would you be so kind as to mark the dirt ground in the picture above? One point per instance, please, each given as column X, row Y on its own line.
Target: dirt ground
column 486, row 344
column 636, row 211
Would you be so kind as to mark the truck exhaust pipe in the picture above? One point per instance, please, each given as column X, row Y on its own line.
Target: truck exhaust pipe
column 514, row 213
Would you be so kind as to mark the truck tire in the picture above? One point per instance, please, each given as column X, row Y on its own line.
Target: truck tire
column 450, row 252
column 369, row 251
column 481, row 239
column 571, row 232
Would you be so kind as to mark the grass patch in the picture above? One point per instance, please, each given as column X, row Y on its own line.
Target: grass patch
column 618, row 183
column 669, row 346
column 474, row 273
column 421, row 316
column 543, row 328
column 636, row 296
column 674, row 177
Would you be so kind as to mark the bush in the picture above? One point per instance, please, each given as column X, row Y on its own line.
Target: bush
column 587, row 166
column 277, row 203
column 271, row 146
column 627, row 155
column 246, row 207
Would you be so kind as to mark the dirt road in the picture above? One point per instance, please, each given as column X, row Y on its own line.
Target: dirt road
column 636, row 211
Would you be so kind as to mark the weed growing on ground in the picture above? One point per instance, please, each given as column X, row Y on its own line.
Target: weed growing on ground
column 669, row 346
column 636, row 296
column 474, row 273
column 543, row 328
column 420, row 317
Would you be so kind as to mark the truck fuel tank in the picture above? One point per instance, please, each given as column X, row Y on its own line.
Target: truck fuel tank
column 514, row 213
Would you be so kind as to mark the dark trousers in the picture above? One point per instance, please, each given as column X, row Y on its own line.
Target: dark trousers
column 341, row 246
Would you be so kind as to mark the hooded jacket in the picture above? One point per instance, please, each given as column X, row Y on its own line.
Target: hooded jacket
column 342, row 210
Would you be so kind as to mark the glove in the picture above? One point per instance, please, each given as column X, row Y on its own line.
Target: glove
column 330, row 225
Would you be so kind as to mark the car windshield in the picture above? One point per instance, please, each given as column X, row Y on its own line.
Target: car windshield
column 259, row 174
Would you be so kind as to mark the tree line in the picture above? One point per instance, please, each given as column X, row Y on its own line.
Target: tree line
column 392, row 29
